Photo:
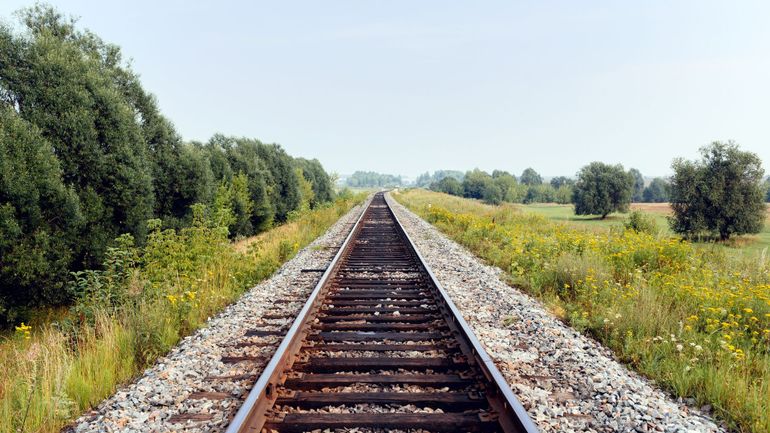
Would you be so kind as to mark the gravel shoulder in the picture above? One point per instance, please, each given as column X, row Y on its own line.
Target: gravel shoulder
column 566, row 381
column 196, row 388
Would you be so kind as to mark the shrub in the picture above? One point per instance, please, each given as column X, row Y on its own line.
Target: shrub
column 641, row 222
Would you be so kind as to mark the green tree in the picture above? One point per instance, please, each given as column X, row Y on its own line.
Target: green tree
column 84, row 114
column 506, row 182
column 638, row 184
column 313, row 171
column 370, row 179
column 656, row 191
column 559, row 181
column 306, row 195
column 39, row 219
column 448, row 185
column 475, row 183
column 767, row 188
column 530, row 177
column 542, row 193
column 602, row 189
column 720, row 195
column 563, row 194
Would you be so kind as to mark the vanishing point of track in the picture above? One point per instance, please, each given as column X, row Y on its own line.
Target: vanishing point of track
column 381, row 339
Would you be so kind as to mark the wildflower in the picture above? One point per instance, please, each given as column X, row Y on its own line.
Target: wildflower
column 679, row 347
column 606, row 321
column 172, row 299
column 24, row 330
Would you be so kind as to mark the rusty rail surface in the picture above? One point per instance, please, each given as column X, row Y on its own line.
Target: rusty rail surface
column 379, row 334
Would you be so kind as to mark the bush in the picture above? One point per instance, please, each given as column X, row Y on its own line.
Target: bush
column 641, row 222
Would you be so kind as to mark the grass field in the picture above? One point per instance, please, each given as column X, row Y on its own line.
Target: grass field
column 694, row 318
column 746, row 244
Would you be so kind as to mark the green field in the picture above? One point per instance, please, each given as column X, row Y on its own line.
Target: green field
column 747, row 244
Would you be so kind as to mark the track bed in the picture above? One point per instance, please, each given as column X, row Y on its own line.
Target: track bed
column 379, row 346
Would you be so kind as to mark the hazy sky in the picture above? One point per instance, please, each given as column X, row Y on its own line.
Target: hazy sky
column 409, row 86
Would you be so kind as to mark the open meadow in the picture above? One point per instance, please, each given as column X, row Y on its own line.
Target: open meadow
column 694, row 318
column 744, row 244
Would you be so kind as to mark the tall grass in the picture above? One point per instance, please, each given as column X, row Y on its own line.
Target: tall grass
column 135, row 310
column 694, row 318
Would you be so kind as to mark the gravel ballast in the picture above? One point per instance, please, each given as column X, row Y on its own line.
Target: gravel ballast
column 567, row 382
column 192, row 389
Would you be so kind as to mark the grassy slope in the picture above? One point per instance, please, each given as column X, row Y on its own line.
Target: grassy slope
column 693, row 318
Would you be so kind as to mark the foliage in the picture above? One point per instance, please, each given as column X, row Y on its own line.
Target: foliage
column 530, row 177
column 40, row 219
column 720, row 195
column 321, row 182
column 692, row 318
column 638, row 186
column 370, row 179
column 559, row 181
column 602, row 189
column 656, row 192
column 448, row 185
column 479, row 184
column 83, row 112
column 133, row 310
column 767, row 189
column 641, row 222
column 426, row 179
column 87, row 156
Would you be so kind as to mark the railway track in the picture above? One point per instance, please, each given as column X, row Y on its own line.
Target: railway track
column 379, row 346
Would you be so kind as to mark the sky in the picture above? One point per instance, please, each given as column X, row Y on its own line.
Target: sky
column 405, row 87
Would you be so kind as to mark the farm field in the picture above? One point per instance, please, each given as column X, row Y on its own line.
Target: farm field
column 747, row 244
column 695, row 319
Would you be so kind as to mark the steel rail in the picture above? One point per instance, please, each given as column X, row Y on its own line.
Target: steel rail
column 522, row 421
column 262, row 395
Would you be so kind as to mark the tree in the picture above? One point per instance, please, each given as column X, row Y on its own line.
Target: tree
column 370, row 179
column 602, row 189
column 475, row 182
column 720, row 195
column 559, row 181
column 39, row 219
column 638, row 184
column 84, row 114
column 448, row 185
column 313, row 171
column 543, row 193
column 656, row 191
column 426, row 179
column 530, row 177
column 767, row 188
column 506, row 182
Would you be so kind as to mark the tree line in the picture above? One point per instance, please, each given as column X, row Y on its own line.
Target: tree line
column 529, row 187
column 371, row 179
column 86, row 155
column 721, row 195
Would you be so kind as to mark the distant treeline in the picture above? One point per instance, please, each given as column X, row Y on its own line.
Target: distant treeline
column 370, row 179
column 86, row 155
column 529, row 187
